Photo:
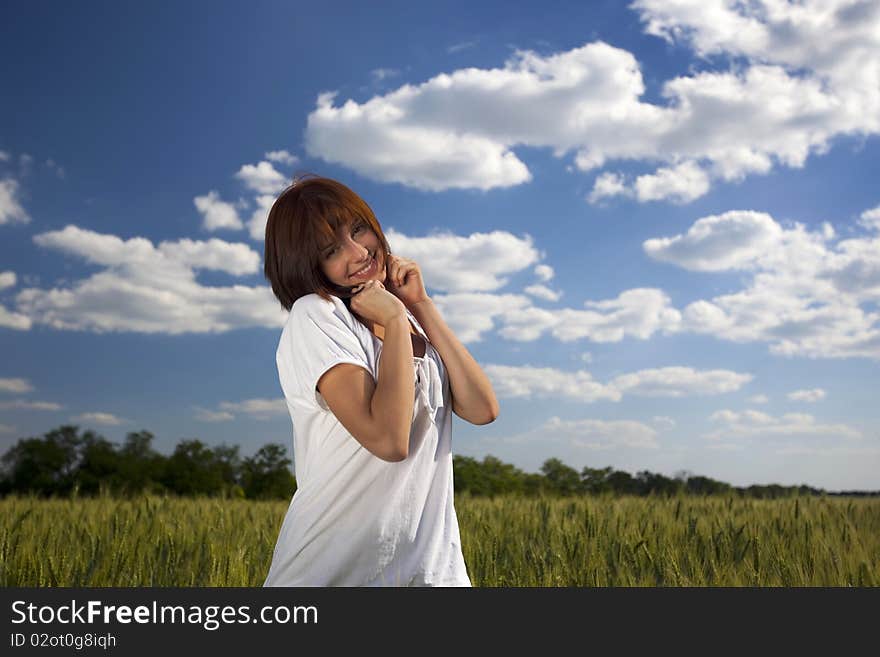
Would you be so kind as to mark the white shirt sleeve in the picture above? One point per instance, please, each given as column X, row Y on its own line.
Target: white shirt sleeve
column 321, row 337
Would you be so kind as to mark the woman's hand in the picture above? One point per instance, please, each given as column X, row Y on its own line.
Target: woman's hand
column 404, row 280
column 373, row 302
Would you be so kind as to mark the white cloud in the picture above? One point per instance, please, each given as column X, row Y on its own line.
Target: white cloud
column 206, row 415
column 217, row 214
column 258, row 409
column 472, row 314
column 150, row 289
column 870, row 219
column 805, row 75
column 106, row 419
column 4, row 156
column 733, row 240
column 262, row 178
column 52, row 165
column 759, row 399
column 752, row 423
column 543, row 292
column 812, row 395
column 236, row 259
column 6, row 428
column 606, row 185
column 546, row 382
column 7, row 279
column 463, row 45
column 260, row 217
column 10, row 208
column 18, row 386
column 805, row 294
column 663, row 422
column 604, row 434
column 680, row 184
column 27, row 405
column 476, row 263
column 13, row 320
column 380, row 74
column 585, row 434
column 634, row 313
column 282, row 157
column 679, row 382
column 544, row 272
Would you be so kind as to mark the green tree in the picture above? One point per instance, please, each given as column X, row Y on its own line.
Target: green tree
column 44, row 466
column 561, row 478
column 99, row 466
column 265, row 475
column 193, row 470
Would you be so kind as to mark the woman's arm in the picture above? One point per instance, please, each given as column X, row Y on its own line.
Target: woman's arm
column 472, row 396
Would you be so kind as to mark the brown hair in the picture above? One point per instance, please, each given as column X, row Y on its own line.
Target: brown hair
column 310, row 209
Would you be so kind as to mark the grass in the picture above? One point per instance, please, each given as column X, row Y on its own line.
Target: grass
column 507, row 541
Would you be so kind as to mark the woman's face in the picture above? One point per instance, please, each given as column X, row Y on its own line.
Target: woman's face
column 355, row 249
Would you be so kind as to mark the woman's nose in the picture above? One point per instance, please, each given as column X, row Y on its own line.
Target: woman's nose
column 359, row 250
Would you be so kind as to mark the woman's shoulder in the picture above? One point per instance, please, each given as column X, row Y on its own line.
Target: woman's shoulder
column 315, row 307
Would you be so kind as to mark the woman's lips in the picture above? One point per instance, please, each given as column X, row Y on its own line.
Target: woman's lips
column 370, row 271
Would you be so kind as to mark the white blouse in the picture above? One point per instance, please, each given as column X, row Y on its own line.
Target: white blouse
column 355, row 519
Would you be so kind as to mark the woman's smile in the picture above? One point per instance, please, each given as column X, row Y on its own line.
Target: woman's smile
column 366, row 273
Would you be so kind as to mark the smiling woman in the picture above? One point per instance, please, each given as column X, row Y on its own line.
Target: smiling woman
column 306, row 239
column 367, row 366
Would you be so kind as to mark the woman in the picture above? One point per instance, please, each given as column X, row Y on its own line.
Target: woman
column 371, row 374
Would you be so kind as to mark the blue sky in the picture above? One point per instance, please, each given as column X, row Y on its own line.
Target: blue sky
column 657, row 228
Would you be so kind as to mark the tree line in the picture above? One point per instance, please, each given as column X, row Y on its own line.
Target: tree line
column 65, row 461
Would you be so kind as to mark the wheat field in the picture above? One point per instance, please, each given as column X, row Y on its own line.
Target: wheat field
column 507, row 541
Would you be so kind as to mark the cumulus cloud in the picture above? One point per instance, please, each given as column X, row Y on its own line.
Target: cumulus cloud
column 56, row 168
column 7, row 279
column 733, row 240
column 870, row 219
column 547, row 382
column 217, row 214
column 802, row 74
column 585, row 435
column 18, row 386
column 150, row 289
column 679, row 382
column 759, row 399
column 544, row 272
column 543, row 292
column 476, row 263
column 282, row 157
column 13, row 320
column 379, row 74
column 106, row 419
column 28, row 405
column 258, row 409
column 603, row 434
column 681, row 184
column 812, row 395
column 806, row 293
column 262, row 178
column 11, row 210
column 663, row 422
column 260, row 217
column 207, row 415
column 634, row 313
column 608, row 184
column 752, row 423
